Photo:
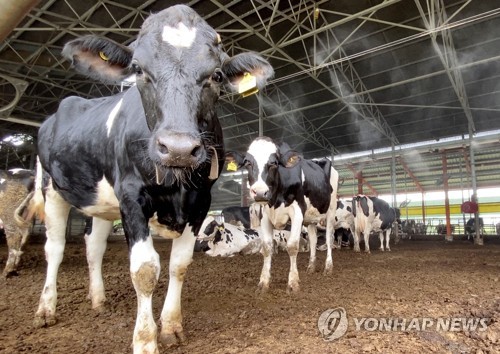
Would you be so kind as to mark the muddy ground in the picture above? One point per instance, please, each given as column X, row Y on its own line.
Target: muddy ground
column 222, row 313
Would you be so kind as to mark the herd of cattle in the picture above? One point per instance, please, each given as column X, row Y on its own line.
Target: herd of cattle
column 150, row 155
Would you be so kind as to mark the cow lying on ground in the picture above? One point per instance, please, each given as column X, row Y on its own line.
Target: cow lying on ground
column 372, row 214
column 16, row 190
column 226, row 240
column 149, row 155
column 290, row 188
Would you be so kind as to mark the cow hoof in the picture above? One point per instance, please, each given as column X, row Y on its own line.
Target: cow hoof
column 357, row 250
column 381, row 249
column 100, row 308
column 328, row 271
column 311, row 268
column 44, row 321
column 367, row 251
column 10, row 273
column 262, row 288
column 388, row 249
column 293, row 288
column 172, row 339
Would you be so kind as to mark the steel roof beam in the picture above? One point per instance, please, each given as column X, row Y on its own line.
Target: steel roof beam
column 321, row 140
column 411, row 174
column 437, row 18
column 356, row 174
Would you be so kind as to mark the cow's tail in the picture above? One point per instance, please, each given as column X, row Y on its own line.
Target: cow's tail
column 22, row 216
column 36, row 206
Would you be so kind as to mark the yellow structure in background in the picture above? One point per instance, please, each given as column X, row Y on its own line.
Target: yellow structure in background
column 433, row 210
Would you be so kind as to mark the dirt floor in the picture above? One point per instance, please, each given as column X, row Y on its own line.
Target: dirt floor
column 222, row 313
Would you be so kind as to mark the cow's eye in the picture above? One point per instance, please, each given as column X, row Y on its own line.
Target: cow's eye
column 217, row 76
column 247, row 163
column 136, row 69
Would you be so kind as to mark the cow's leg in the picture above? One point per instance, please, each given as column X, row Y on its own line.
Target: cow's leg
column 292, row 246
column 145, row 270
column 56, row 218
column 266, row 249
column 335, row 244
column 330, row 231
column 16, row 238
column 356, row 235
column 381, row 238
column 366, row 236
column 387, row 239
column 96, row 246
column 181, row 256
column 313, row 239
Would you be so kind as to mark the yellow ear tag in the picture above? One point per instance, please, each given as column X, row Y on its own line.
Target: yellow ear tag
column 248, row 85
column 103, row 56
column 231, row 166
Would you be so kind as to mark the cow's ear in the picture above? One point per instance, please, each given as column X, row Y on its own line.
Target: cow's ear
column 99, row 58
column 237, row 66
column 234, row 160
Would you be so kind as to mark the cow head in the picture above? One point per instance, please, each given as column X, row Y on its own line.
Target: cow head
column 211, row 230
column 257, row 162
column 180, row 68
column 270, row 167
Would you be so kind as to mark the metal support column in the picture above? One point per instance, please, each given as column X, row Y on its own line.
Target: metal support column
column 478, row 239
column 423, row 208
column 393, row 178
column 449, row 236
column 359, row 176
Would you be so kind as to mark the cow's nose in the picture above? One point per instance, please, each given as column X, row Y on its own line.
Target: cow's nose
column 179, row 150
column 260, row 195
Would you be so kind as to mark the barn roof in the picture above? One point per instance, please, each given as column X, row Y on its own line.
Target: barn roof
column 353, row 79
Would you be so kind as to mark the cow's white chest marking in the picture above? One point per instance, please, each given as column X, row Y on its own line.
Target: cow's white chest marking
column 106, row 204
column 179, row 36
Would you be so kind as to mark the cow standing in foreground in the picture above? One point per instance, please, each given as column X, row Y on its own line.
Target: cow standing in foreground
column 16, row 190
column 372, row 214
column 149, row 155
column 290, row 188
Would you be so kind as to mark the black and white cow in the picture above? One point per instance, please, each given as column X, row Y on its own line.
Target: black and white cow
column 372, row 214
column 227, row 240
column 291, row 189
column 343, row 227
column 16, row 190
column 149, row 155
column 344, row 220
